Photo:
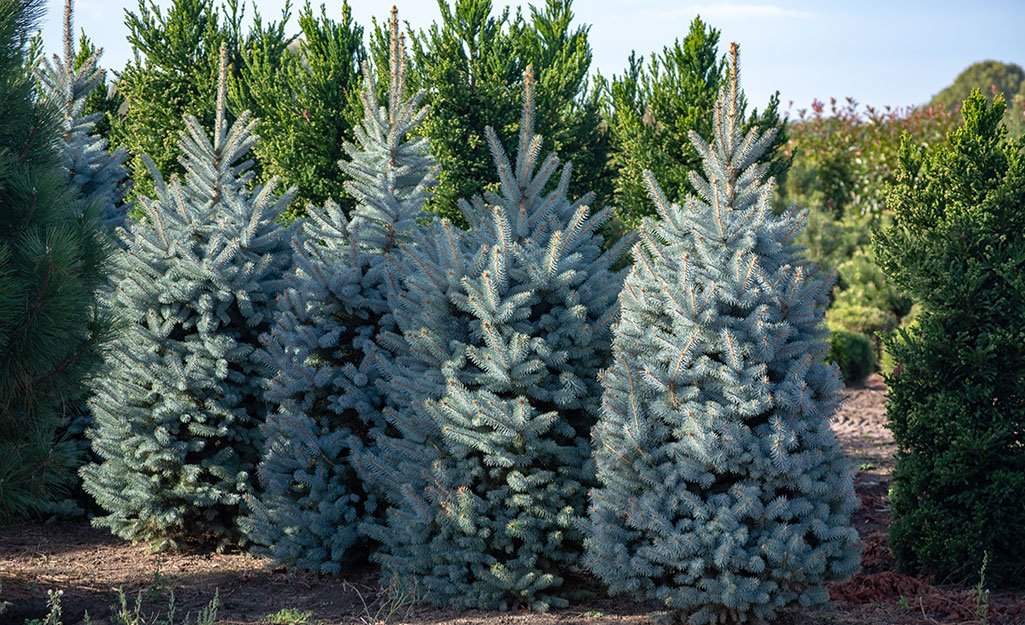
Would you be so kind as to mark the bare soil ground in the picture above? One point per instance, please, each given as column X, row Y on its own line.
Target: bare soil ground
column 89, row 564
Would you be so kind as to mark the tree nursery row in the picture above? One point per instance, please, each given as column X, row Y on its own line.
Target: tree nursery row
column 377, row 331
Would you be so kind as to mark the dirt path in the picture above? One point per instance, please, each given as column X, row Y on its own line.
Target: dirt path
column 88, row 564
column 860, row 424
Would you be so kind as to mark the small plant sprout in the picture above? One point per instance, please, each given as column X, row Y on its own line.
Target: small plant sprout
column 394, row 601
column 290, row 616
column 121, row 614
column 54, row 616
column 156, row 586
column 981, row 593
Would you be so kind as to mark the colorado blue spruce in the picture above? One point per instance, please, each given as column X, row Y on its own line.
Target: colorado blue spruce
column 98, row 173
column 492, row 390
column 723, row 491
column 176, row 412
column 321, row 351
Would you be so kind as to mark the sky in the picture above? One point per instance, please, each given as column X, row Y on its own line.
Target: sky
column 896, row 52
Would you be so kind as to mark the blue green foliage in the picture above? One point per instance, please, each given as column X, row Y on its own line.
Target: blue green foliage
column 492, row 390
column 177, row 410
column 98, row 173
column 321, row 350
column 723, row 491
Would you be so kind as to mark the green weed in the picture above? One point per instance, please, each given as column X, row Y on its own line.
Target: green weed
column 122, row 614
column 981, row 593
column 396, row 599
column 903, row 605
column 156, row 586
column 53, row 601
column 290, row 616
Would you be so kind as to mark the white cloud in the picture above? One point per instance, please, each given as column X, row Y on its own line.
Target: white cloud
column 729, row 11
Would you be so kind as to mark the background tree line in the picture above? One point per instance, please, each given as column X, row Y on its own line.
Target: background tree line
column 836, row 160
column 303, row 88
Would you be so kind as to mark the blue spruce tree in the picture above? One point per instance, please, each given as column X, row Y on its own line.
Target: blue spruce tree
column 177, row 411
column 492, row 390
column 723, row 492
column 98, row 173
column 321, row 350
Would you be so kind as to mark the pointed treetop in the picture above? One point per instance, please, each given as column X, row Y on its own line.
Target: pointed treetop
column 222, row 80
column 733, row 96
column 529, row 143
column 734, row 64
column 527, row 124
column 68, row 34
column 397, row 62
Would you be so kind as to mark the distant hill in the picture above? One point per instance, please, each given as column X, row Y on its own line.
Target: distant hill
column 990, row 77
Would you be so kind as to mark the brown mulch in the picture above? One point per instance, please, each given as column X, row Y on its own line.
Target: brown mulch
column 879, row 594
column 89, row 564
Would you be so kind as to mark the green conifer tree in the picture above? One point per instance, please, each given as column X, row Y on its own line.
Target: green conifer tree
column 176, row 412
column 492, row 390
column 173, row 72
column 303, row 96
column 723, row 491
column 651, row 109
column 470, row 64
column 51, row 263
column 321, row 350
column 957, row 393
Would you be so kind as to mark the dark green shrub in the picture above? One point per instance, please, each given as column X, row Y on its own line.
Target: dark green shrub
column 886, row 360
column 957, row 396
column 865, row 320
column 653, row 106
column 852, row 352
column 173, row 72
column 302, row 91
column 470, row 63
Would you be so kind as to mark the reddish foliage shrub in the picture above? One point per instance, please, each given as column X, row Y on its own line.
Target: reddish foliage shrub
column 846, row 157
